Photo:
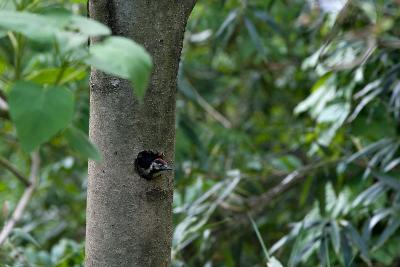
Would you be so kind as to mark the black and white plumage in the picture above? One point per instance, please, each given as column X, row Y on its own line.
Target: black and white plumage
column 150, row 164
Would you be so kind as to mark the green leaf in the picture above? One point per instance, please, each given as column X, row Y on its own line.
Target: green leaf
column 346, row 251
column 323, row 91
column 260, row 239
column 323, row 253
column 39, row 112
column 358, row 241
column 81, row 143
column 368, row 150
column 255, row 37
column 31, row 25
column 273, row 262
column 334, row 113
column 124, row 58
column 388, row 180
column 369, row 195
column 55, row 23
column 269, row 20
column 50, row 75
column 232, row 16
column 67, row 21
column 334, row 233
column 19, row 233
column 88, row 26
column 365, row 100
column 391, row 228
column 372, row 222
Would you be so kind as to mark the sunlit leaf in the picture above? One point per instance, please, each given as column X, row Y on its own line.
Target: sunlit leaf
column 51, row 75
column 334, row 233
column 323, row 91
column 369, row 195
column 372, row 222
column 273, row 262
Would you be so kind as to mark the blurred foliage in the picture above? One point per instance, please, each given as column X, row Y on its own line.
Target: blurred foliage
column 287, row 149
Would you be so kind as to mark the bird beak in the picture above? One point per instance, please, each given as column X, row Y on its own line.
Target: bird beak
column 166, row 168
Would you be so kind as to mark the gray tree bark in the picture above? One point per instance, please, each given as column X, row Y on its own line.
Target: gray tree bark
column 129, row 219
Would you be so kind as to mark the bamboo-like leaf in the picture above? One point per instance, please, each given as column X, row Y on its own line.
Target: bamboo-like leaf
column 227, row 22
column 374, row 220
column 390, row 229
column 255, row 37
column 260, row 239
column 262, row 15
column 363, row 103
column 334, row 233
column 388, row 180
column 20, row 233
column 369, row 149
column 358, row 241
column 346, row 250
column 369, row 195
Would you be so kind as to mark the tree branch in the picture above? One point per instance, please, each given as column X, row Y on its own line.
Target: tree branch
column 8, row 165
column 215, row 114
column 257, row 203
column 24, row 200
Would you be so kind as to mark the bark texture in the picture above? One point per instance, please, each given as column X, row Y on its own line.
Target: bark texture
column 129, row 219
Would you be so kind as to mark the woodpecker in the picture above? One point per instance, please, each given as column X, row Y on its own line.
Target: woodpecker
column 150, row 164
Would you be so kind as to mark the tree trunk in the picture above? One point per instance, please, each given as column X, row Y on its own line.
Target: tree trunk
column 129, row 219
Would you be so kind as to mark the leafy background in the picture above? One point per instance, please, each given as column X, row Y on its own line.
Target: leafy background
column 287, row 134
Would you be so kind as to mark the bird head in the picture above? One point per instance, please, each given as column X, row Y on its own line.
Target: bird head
column 151, row 164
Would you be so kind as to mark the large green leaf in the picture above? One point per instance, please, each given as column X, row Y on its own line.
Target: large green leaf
column 80, row 142
column 31, row 25
column 39, row 112
column 124, row 58
column 67, row 21
column 88, row 26
column 45, row 27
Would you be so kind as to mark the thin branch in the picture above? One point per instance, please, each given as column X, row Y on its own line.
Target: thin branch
column 257, row 203
column 8, row 165
column 212, row 111
column 24, row 200
column 389, row 43
column 207, row 107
